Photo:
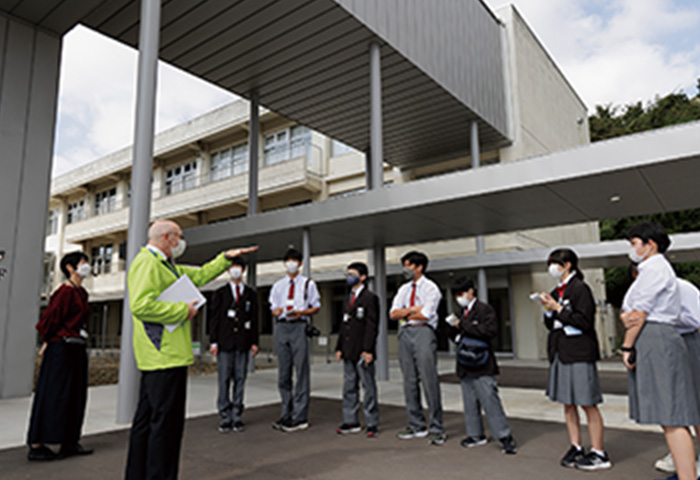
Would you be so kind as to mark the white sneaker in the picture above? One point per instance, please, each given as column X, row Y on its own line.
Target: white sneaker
column 665, row 464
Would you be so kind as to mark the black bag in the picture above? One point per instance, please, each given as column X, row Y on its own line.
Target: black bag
column 472, row 352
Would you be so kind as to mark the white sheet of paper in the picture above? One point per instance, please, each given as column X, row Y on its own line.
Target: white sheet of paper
column 183, row 290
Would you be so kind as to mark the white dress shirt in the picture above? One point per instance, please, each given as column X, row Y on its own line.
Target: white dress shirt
column 157, row 250
column 549, row 313
column 690, row 307
column 655, row 291
column 280, row 293
column 427, row 294
column 236, row 289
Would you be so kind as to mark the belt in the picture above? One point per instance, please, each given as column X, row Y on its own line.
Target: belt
column 75, row 341
column 421, row 324
column 296, row 320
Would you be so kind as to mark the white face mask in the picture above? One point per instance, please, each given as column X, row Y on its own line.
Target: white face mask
column 463, row 301
column 291, row 267
column 236, row 272
column 555, row 270
column 84, row 270
column 635, row 257
column 178, row 249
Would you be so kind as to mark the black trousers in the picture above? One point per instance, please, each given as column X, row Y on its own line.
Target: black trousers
column 156, row 432
column 61, row 393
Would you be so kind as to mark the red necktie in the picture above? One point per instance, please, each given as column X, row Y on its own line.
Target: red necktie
column 412, row 301
column 291, row 295
column 560, row 291
column 238, row 294
column 466, row 312
column 352, row 299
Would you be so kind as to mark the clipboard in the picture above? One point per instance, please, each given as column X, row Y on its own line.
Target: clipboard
column 182, row 290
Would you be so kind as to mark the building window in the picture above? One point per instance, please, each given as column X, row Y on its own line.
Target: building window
column 101, row 259
column 76, row 211
column 339, row 148
column 287, row 144
column 52, row 222
column 180, row 178
column 230, row 161
column 106, row 201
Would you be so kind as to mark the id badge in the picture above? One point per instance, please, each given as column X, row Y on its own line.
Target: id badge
column 246, row 325
column 247, row 305
column 346, row 317
column 360, row 313
column 83, row 333
column 231, row 313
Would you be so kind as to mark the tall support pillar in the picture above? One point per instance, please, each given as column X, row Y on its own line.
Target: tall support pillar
column 306, row 252
column 253, row 169
column 375, row 179
column 29, row 72
column 140, row 209
column 482, row 281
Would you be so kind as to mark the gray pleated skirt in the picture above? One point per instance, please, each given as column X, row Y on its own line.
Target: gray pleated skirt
column 692, row 343
column 574, row 383
column 661, row 390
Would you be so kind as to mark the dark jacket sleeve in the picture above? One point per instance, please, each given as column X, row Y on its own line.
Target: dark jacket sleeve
column 339, row 343
column 55, row 312
column 371, row 325
column 581, row 311
column 486, row 329
column 214, row 317
column 549, row 321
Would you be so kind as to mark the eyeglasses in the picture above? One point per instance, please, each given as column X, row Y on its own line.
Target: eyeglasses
column 177, row 234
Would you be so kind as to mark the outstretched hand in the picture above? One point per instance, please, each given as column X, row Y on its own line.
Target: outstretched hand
column 237, row 252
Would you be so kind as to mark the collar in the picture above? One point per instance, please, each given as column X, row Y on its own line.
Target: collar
column 566, row 280
column 157, row 250
column 233, row 285
column 418, row 282
column 357, row 290
column 471, row 304
column 644, row 263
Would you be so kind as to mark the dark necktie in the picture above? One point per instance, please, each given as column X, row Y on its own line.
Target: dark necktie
column 352, row 299
column 291, row 295
column 412, row 301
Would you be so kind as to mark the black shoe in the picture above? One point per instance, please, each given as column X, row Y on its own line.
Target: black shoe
column 238, row 426
column 470, row 442
column 279, row 424
column 594, row 461
column 76, row 449
column 371, row 432
column 573, row 456
column 295, row 426
column 346, row 428
column 225, row 427
column 508, row 445
column 41, row 454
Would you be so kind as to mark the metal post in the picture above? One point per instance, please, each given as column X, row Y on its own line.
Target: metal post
column 105, row 313
column 375, row 179
column 482, row 281
column 306, row 252
column 140, row 209
column 253, row 147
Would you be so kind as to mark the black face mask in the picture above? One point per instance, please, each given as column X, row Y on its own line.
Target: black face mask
column 408, row 273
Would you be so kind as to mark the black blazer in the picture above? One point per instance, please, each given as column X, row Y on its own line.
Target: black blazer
column 359, row 333
column 481, row 324
column 578, row 312
column 230, row 331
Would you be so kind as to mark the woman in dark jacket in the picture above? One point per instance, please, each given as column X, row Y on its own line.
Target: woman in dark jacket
column 572, row 348
column 61, row 389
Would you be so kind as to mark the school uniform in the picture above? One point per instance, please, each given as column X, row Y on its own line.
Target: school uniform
column 291, row 343
column 233, row 328
column 572, row 346
column 418, row 353
column 358, row 334
column 479, row 385
column 661, row 389
column 688, row 328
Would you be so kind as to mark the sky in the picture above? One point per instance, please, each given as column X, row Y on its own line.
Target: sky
column 612, row 51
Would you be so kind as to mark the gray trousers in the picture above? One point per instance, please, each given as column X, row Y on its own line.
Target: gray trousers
column 418, row 359
column 478, row 393
column 354, row 373
column 231, row 366
column 292, row 347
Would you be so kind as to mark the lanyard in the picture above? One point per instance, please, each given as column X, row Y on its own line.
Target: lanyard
column 167, row 264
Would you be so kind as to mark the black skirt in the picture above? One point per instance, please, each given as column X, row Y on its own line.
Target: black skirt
column 60, row 397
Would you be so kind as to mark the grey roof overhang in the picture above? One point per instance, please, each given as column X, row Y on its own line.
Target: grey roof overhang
column 651, row 172
column 309, row 61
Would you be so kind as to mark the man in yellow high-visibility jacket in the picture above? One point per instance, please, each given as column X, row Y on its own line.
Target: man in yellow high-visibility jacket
column 161, row 355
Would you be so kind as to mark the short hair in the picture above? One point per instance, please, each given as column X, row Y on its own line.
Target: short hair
column 360, row 267
column 240, row 261
column 415, row 257
column 72, row 259
column 646, row 231
column 461, row 285
column 293, row 254
column 160, row 228
column 562, row 255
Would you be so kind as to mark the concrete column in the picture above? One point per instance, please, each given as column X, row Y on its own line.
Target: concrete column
column 253, row 174
column 482, row 281
column 158, row 184
column 29, row 69
column 306, row 252
column 140, row 211
column 375, row 179
column 122, row 199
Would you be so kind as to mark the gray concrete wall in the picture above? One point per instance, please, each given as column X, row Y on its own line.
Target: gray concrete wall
column 29, row 68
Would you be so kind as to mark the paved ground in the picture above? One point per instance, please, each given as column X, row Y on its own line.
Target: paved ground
column 318, row 453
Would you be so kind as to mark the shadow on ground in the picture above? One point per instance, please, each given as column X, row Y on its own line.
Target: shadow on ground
column 319, row 453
